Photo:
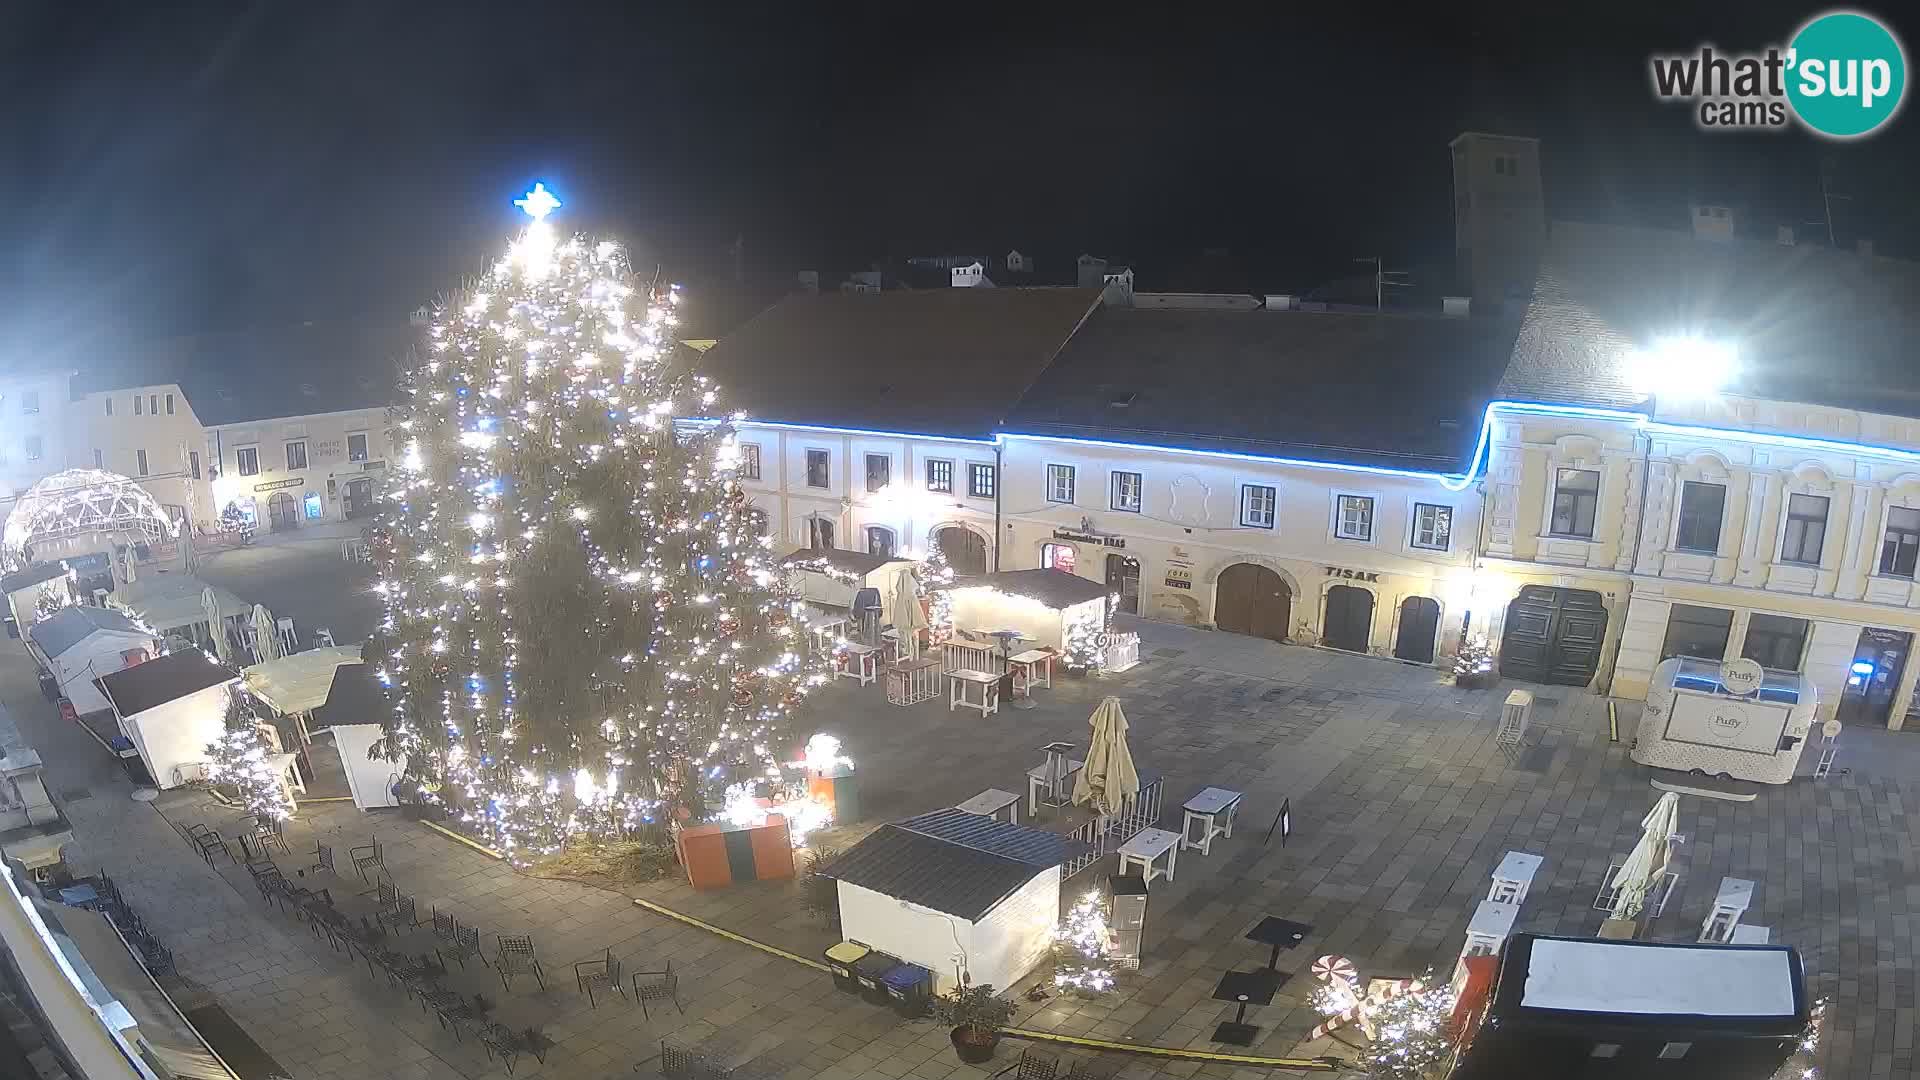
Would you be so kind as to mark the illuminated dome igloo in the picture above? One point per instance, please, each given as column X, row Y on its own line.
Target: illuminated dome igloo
column 76, row 502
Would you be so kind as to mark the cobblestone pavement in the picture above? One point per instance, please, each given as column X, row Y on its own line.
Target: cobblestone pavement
column 1401, row 807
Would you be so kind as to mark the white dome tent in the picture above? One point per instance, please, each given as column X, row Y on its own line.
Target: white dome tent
column 76, row 503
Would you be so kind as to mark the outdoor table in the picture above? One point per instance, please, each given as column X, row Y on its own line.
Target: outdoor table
column 1042, row 777
column 989, row 684
column 1034, row 666
column 826, row 629
column 79, row 896
column 910, row 682
column 1214, row 809
column 860, row 662
column 1146, row 847
column 1490, row 925
column 1513, row 877
column 1748, row 934
column 1279, row 933
column 1244, row 988
column 990, row 802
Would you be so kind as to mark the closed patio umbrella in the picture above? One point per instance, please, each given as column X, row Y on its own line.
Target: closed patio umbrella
column 1108, row 782
column 216, row 625
column 266, row 640
column 1647, row 862
column 906, row 616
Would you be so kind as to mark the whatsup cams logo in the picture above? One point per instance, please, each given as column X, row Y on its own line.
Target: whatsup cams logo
column 1843, row 75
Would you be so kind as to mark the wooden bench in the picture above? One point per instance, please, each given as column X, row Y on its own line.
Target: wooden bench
column 1146, row 848
column 1513, row 877
column 990, row 802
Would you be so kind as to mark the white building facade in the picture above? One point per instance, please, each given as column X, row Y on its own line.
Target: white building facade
column 149, row 434
column 288, row 472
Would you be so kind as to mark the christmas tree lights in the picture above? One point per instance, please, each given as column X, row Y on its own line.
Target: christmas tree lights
column 1081, row 945
column 584, row 631
column 239, row 757
column 935, row 577
column 1413, row 1037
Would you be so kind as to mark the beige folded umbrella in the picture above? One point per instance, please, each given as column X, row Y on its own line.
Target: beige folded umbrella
column 907, row 618
column 1647, row 862
column 1108, row 782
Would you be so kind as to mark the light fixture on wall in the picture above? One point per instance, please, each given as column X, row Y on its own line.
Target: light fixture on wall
column 1679, row 367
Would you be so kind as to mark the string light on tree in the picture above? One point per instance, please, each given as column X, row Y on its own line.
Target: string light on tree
column 1081, row 944
column 240, row 757
column 584, row 631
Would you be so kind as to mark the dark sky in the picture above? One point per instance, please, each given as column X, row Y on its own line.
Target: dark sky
column 174, row 168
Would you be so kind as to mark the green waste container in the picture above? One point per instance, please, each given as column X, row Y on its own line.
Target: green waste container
column 841, row 959
column 871, row 971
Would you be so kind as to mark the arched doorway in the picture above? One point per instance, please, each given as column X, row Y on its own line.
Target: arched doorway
column 1349, row 621
column 1123, row 577
column 1251, row 599
column 282, row 512
column 1419, row 619
column 964, row 549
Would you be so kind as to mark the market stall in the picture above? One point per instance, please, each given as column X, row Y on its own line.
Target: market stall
column 963, row 895
column 295, row 685
column 175, row 605
column 78, row 644
column 171, row 709
column 22, row 590
column 1048, row 609
column 832, row 577
column 350, row 718
column 1734, row 719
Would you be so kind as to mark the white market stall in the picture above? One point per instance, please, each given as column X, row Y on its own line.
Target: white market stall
column 1051, row 609
column 78, row 644
column 174, row 604
column 171, row 709
column 960, row 894
column 831, row 577
column 1734, row 719
column 351, row 715
column 23, row 589
column 296, row 685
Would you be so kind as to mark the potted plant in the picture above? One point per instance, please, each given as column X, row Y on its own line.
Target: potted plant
column 819, row 893
column 976, row 1014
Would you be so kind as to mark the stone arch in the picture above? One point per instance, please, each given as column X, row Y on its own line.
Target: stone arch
column 1212, row 576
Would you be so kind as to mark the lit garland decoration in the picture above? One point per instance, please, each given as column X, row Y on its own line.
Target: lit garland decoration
column 239, row 757
column 1081, row 945
column 585, row 633
column 1080, row 638
column 1413, row 1036
column 934, row 577
column 1474, row 659
column 1809, row 1045
column 75, row 502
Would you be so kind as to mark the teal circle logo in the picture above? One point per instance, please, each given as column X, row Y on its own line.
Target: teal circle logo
column 1847, row 74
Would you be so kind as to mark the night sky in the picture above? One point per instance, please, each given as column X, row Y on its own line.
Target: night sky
column 179, row 168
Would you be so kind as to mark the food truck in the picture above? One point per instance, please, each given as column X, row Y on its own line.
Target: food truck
column 1735, row 720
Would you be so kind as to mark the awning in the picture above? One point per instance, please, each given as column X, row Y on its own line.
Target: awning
column 167, row 601
column 299, row 683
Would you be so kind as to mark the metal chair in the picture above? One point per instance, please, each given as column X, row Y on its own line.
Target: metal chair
column 323, row 859
column 269, row 835
column 365, row 855
column 516, row 957
column 209, row 842
column 159, row 960
column 657, row 986
column 500, row 1040
column 465, row 942
column 403, row 913
column 443, row 926
column 604, row 972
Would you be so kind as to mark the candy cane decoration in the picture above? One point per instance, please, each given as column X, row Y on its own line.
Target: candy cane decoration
column 1329, row 968
column 1377, row 991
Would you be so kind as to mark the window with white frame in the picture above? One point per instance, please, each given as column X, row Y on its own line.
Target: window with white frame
column 1806, row 532
column 297, row 454
column 940, row 475
column 1900, row 547
column 1126, row 492
column 139, row 405
column 1576, row 499
column 357, row 446
column 246, row 459
column 880, row 541
column 169, row 404
column 109, row 401
column 1060, row 483
column 1432, row 526
column 980, row 480
column 1702, row 506
column 749, row 461
column 140, row 462
column 879, row 472
column 1257, row 503
column 819, row 470
column 153, row 404
column 1353, row 520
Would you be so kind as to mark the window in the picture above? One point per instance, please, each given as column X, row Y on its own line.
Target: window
column 311, row 505
column 1605, row 1050
column 33, row 448
column 1674, row 1051
column 357, row 447
column 1256, row 506
column 30, row 402
column 193, row 463
column 879, row 472
column 1576, row 492
column 140, row 462
column 139, row 405
column 880, row 541
column 818, row 464
column 1057, row 557
column 1775, row 641
column 1060, row 483
column 980, row 481
column 1697, row 631
column 1126, row 492
column 819, row 534
column 247, row 458
column 153, row 404
column 1806, row 529
column 1432, row 526
column 1902, row 542
column 169, row 404
column 1701, row 506
column 1354, row 519
column 749, row 461
column 109, row 404
column 939, row 475
column 99, row 458
column 297, row 455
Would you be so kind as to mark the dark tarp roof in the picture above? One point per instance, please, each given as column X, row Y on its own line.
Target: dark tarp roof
column 935, row 362
column 156, row 682
column 32, row 575
column 951, row 861
column 1054, row 588
column 76, row 623
column 354, row 697
column 1810, row 324
column 1402, row 391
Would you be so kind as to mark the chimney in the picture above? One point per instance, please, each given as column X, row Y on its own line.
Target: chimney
column 1279, row 302
column 809, row 281
column 1864, row 246
column 1456, row 306
column 1784, row 235
column 1119, row 288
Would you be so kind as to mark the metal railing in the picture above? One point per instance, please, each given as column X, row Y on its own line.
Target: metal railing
column 1104, row 835
column 957, row 657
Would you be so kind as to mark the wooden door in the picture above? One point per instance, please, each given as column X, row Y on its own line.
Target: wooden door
column 1419, row 619
column 1251, row 599
column 965, row 550
column 1349, row 622
column 1123, row 577
column 281, row 512
column 1553, row 636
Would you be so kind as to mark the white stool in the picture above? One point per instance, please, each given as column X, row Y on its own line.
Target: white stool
column 1488, row 930
column 860, row 662
column 1748, row 934
column 1214, row 808
column 990, row 802
column 1054, row 776
column 1728, row 906
column 1148, row 846
column 1513, row 877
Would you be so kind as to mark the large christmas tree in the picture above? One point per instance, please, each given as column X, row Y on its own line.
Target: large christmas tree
column 585, row 632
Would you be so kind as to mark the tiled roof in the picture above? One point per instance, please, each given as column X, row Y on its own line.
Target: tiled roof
column 156, row 682
column 76, row 623
column 1054, row 588
column 935, row 362
column 951, row 861
column 1810, row 324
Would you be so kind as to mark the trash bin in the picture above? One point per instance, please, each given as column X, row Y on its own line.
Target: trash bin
column 907, row 987
column 870, row 970
column 841, row 959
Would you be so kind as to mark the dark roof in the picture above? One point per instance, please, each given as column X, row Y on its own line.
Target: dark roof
column 934, row 362
column 851, row 562
column 354, row 697
column 32, row 575
column 1810, row 324
column 1404, row 391
column 951, row 861
column 156, row 682
column 76, row 623
column 1054, row 588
